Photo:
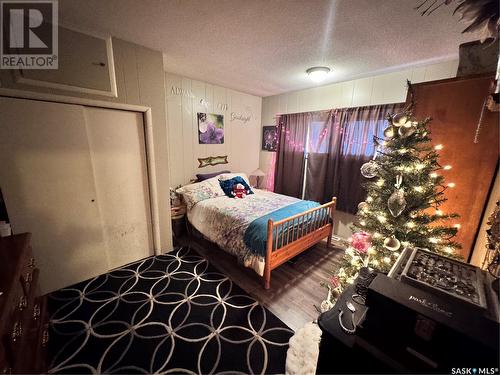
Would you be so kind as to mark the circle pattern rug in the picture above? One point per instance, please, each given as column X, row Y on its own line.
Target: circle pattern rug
column 173, row 313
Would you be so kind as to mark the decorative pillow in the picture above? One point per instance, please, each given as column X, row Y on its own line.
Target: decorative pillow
column 228, row 185
column 228, row 176
column 200, row 191
column 206, row 176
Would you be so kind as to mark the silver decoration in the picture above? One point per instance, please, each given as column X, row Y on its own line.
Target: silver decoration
column 389, row 132
column 369, row 169
column 392, row 243
column 404, row 131
column 399, row 119
column 397, row 202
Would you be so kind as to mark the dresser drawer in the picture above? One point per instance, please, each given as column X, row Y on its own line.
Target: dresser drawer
column 23, row 317
column 23, row 324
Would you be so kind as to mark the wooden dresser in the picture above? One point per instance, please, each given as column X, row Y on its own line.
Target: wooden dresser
column 23, row 315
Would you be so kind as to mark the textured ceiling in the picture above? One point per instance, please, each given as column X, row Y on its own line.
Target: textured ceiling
column 263, row 47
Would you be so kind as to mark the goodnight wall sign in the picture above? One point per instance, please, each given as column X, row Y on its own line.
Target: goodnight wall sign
column 244, row 116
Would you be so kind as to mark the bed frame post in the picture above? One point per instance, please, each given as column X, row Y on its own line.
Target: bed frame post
column 331, row 210
column 269, row 249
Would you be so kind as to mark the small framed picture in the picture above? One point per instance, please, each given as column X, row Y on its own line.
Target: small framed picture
column 269, row 138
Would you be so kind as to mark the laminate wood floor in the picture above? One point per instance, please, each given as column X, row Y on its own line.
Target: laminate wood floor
column 295, row 285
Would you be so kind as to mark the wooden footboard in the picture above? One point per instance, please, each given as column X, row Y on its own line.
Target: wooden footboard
column 288, row 237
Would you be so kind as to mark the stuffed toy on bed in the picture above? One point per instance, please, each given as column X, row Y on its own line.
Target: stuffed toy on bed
column 239, row 191
column 235, row 187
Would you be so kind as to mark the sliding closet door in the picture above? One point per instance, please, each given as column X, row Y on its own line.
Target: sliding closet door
column 47, row 181
column 76, row 178
column 117, row 148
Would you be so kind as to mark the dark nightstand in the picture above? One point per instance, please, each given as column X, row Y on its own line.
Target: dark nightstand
column 178, row 214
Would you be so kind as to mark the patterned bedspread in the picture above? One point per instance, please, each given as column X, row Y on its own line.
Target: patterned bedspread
column 224, row 221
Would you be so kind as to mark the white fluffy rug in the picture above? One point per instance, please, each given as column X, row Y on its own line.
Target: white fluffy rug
column 303, row 351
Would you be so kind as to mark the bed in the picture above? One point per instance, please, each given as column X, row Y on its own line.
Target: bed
column 263, row 230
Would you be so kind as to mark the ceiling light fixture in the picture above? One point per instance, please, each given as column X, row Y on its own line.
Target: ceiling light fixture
column 318, row 73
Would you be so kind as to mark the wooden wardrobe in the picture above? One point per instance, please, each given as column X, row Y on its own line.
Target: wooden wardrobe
column 456, row 107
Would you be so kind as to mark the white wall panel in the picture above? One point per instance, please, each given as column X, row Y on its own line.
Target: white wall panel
column 418, row 74
column 362, row 94
column 187, row 97
column 346, row 92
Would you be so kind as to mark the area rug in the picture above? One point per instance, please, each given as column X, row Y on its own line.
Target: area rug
column 172, row 313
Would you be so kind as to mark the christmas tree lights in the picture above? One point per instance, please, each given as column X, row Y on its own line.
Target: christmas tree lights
column 405, row 189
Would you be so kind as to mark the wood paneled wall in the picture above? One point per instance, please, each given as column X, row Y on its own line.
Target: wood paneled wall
column 242, row 141
column 455, row 106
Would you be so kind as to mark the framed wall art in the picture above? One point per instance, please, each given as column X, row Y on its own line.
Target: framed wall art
column 210, row 129
column 269, row 138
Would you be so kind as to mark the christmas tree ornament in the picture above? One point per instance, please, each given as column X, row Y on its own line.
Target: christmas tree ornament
column 408, row 124
column 404, row 131
column 392, row 243
column 369, row 169
column 362, row 206
column 399, row 119
column 389, row 132
column 361, row 241
column 397, row 202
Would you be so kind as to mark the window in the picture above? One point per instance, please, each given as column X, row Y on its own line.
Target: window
column 360, row 137
column 318, row 140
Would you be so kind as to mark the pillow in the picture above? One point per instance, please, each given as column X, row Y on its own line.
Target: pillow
column 227, row 185
column 197, row 192
column 206, row 176
column 228, row 176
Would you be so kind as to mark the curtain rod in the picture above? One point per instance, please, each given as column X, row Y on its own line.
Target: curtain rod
column 336, row 109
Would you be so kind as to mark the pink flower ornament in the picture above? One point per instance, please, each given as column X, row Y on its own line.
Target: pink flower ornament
column 361, row 241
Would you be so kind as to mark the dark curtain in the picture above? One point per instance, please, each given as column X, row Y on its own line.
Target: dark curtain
column 324, row 140
column 289, row 169
column 333, row 168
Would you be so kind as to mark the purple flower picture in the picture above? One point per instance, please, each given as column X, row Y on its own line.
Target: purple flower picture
column 210, row 129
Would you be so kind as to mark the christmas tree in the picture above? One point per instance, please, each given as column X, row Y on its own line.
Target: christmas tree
column 405, row 189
